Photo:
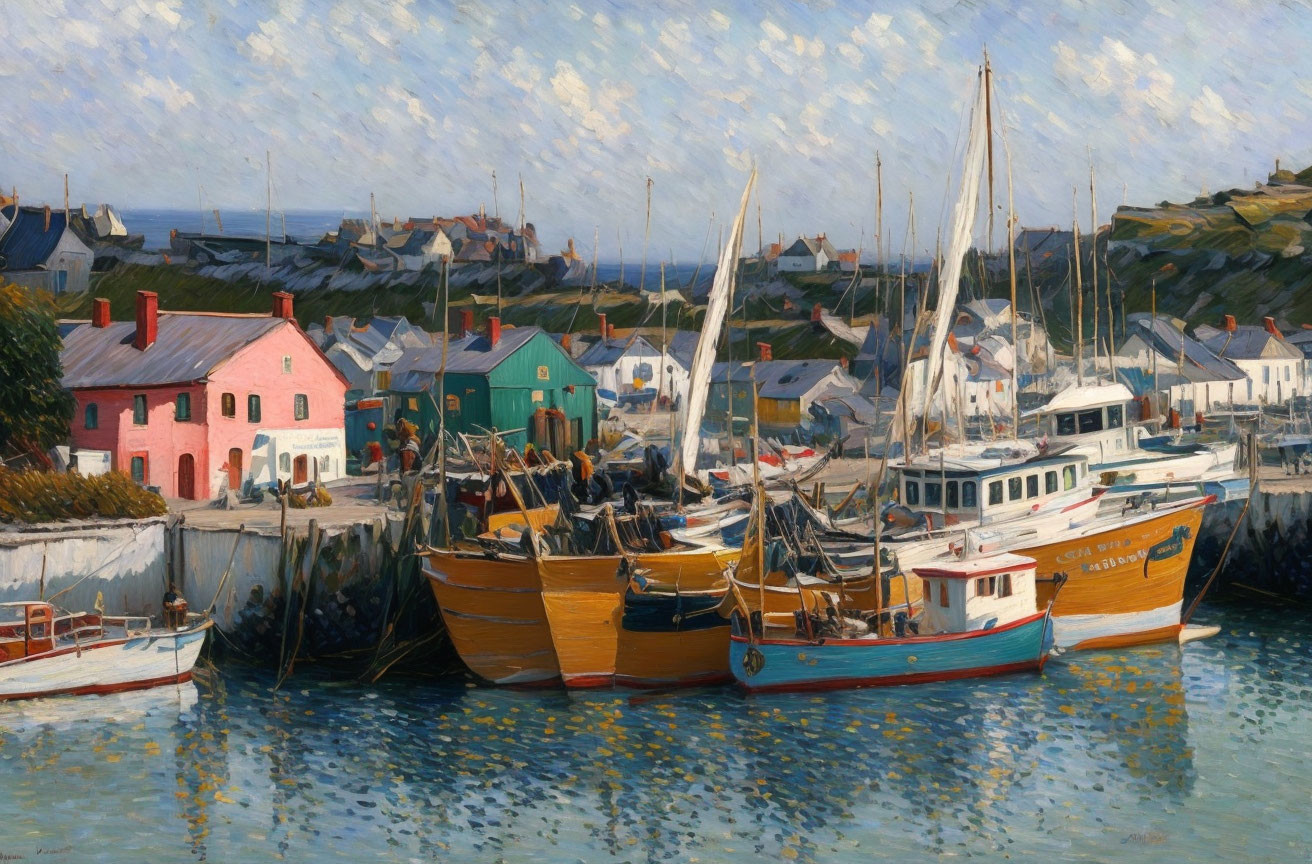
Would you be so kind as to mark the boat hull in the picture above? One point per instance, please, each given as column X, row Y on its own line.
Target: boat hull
column 105, row 666
column 493, row 611
column 584, row 601
column 797, row 665
column 1124, row 584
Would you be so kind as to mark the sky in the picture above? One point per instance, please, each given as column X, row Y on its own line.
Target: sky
column 145, row 103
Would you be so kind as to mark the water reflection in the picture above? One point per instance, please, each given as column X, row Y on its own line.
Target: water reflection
column 1091, row 759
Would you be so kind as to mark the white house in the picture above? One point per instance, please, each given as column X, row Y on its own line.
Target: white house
column 807, row 255
column 1272, row 365
column 1156, row 354
column 627, row 366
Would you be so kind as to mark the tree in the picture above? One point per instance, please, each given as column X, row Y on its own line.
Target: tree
column 34, row 406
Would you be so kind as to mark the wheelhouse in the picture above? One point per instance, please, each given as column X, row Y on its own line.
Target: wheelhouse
column 1003, row 491
column 977, row 593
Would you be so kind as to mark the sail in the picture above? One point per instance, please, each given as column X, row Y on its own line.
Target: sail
column 703, row 358
column 963, row 226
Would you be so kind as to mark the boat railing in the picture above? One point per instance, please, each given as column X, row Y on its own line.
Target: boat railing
column 127, row 622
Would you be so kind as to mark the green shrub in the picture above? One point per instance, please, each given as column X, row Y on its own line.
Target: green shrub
column 45, row 496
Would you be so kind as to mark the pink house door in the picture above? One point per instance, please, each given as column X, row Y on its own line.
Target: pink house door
column 187, row 476
column 234, row 469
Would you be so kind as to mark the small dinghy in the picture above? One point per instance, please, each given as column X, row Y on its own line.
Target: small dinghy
column 47, row 654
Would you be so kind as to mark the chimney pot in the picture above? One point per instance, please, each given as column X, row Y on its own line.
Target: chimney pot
column 47, row 215
column 493, row 330
column 100, row 312
column 816, row 312
column 765, row 351
column 1230, row 323
column 327, row 323
column 610, row 331
column 282, row 305
column 147, row 320
column 952, row 341
column 567, row 342
column 1270, row 324
column 601, row 317
column 843, row 362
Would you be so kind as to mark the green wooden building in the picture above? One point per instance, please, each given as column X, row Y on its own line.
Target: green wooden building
column 517, row 380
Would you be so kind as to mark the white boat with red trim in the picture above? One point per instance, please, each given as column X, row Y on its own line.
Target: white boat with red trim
column 43, row 653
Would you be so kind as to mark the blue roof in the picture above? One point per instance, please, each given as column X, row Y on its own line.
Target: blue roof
column 27, row 245
column 1245, row 342
column 777, row 379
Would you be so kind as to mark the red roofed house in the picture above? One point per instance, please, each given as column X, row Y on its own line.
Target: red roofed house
column 196, row 403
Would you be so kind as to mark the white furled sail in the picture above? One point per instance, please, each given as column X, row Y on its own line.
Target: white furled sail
column 917, row 393
column 717, row 306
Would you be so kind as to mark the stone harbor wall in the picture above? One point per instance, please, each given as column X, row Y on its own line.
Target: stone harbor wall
column 337, row 593
column 125, row 562
column 1271, row 552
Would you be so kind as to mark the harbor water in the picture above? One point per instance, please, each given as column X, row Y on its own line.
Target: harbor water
column 1157, row 753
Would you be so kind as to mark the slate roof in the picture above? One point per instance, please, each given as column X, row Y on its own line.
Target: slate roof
column 777, row 379
column 1200, row 365
column 471, row 354
column 27, row 245
column 1246, row 342
column 604, row 352
column 683, row 344
column 188, row 347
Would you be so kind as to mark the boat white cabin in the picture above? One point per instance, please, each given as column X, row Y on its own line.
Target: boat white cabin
column 989, row 484
column 1093, row 418
column 977, row 593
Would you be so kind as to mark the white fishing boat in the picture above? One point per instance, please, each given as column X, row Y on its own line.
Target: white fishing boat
column 47, row 654
column 1093, row 419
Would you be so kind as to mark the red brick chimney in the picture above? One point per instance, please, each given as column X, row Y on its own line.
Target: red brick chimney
column 952, row 342
column 459, row 322
column 601, row 317
column 567, row 342
column 1270, row 324
column 610, row 331
column 765, row 352
column 147, row 320
column 327, row 323
column 282, row 305
column 1230, row 324
column 100, row 312
column 816, row 312
column 493, row 330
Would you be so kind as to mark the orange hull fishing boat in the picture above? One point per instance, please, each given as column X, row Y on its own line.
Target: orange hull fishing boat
column 1125, row 583
column 492, row 608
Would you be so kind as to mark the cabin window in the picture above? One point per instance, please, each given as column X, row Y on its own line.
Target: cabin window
column 286, row 364
column 913, row 493
column 1013, row 488
column 139, row 470
column 1050, row 482
column 943, row 594
column 984, row 586
column 1032, row 486
column 182, row 409
column 1004, row 585
column 1091, row 421
column 301, row 406
column 968, row 498
column 453, row 403
column 933, row 495
column 285, row 462
column 954, row 501
column 253, row 408
column 995, row 492
column 1068, row 477
column 1115, row 416
column 228, row 405
column 139, row 409
column 91, row 416
column 1065, row 424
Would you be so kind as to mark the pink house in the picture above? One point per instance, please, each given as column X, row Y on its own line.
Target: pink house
column 196, row 403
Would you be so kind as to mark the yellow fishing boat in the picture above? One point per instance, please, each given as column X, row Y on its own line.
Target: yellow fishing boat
column 584, row 598
column 1125, row 581
column 492, row 608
